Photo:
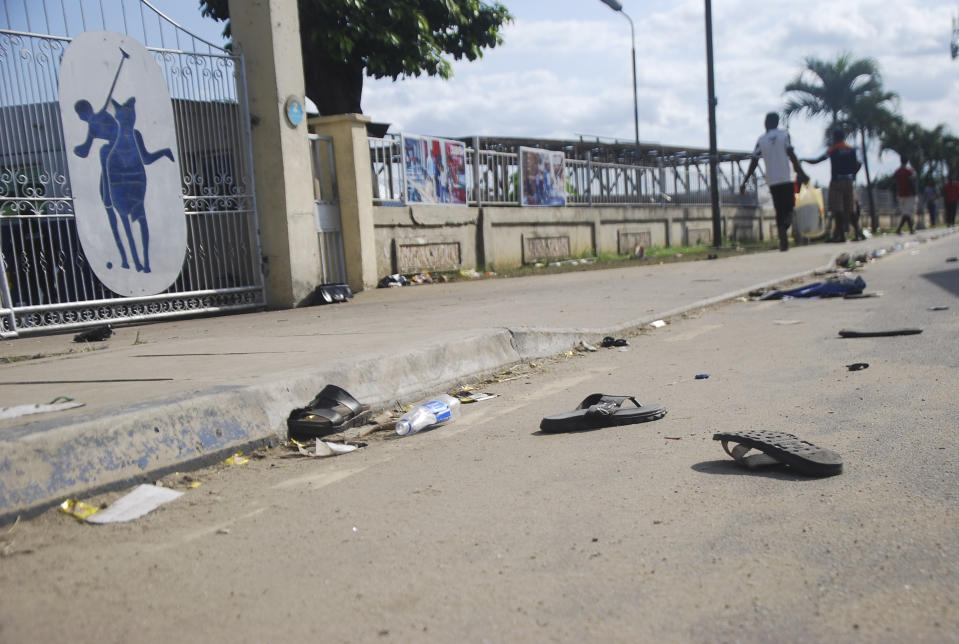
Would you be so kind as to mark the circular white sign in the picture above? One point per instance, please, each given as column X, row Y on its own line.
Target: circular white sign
column 121, row 154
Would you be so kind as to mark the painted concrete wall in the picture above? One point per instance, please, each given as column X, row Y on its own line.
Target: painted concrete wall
column 493, row 237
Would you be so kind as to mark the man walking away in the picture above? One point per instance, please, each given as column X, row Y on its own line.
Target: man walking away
column 777, row 151
column 930, row 195
column 950, row 196
column 842, row 187
column 905, row 195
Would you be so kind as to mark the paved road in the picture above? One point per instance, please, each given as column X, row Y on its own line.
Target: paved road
column 487, row 530
column 161, row 395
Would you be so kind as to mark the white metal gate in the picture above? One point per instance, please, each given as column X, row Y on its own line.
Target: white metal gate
column 47, row 282
column 326, row 211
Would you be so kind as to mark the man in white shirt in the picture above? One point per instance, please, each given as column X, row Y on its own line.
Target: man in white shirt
column 777, row 151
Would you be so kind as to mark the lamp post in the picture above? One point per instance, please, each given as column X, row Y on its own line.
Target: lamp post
column 617, row 6
column 713, row 153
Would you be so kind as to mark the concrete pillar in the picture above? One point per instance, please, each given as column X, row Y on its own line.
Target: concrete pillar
column 487, row 252
column 267, row 32
column 354, row 178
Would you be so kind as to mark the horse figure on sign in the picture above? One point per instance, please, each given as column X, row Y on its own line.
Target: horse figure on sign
column 123, row 161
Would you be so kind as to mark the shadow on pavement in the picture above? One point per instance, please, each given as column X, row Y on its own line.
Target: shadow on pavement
column 948, row 280
column 728, row 466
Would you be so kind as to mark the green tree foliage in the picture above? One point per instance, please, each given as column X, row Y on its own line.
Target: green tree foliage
column 850, row 93
column 345, row 40
column 832, row 88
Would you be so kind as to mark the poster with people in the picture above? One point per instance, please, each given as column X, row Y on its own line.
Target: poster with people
column 542, row 177
column 435, row 170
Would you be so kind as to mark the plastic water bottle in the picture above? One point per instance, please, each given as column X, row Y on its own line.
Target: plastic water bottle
column 441, row 409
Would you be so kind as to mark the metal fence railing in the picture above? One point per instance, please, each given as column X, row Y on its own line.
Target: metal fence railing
column 48, row 281
column 492, row 177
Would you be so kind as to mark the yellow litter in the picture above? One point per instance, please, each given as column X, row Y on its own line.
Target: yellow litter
column 237, row 459
column 78, row 509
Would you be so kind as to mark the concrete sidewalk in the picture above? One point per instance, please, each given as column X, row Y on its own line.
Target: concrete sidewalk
column 169, row 395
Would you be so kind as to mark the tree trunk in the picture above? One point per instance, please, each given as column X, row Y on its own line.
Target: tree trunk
column 335, row 88
column 873, row 217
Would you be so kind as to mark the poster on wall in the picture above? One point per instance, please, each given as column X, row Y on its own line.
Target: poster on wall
column 435, row 170
column 542, row 177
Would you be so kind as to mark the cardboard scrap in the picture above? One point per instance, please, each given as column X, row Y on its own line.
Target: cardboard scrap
column 471, row 398
column 324, row 449
column 37, row 408
column 143, row 499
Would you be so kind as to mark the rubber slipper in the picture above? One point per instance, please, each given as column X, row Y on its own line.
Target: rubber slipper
column 610, row 341
column 601, row 410
column 848, row 333
column 780, row 447
column 331, row 411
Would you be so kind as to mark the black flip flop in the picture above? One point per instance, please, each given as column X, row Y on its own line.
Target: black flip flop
column 780, row 447
column 601, row 410
column 849, row 333
column 610, row 341
column 331, row 411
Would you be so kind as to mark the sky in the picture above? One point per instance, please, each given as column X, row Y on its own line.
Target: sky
column 565, row 70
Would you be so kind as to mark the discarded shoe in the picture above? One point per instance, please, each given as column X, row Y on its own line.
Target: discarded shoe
column 610, row 341
column 857, row 366
column 392, row 280
column 96, row 334
column 848, row 333
column 331, row 411
column 601, row 410
column 330, row 293
column 780, row 447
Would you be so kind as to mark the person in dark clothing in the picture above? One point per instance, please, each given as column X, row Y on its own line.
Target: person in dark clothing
column 950, row 197
column 905, row 194
column 842, row 187
column 930, row 195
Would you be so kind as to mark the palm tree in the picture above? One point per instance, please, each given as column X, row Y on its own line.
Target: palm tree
column 950, row 146
column 832, row 88
column 850, row 93
column 900, row 137
column 869, row 116
column 937, row 147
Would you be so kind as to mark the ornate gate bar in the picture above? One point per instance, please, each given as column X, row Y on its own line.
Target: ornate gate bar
column 47, row 283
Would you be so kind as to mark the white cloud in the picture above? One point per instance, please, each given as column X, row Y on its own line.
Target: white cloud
column 565, row 69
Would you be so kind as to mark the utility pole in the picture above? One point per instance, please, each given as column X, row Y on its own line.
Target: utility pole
column 713, row 153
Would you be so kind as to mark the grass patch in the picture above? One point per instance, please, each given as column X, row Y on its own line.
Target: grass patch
column 51, row 354
column 658, row 255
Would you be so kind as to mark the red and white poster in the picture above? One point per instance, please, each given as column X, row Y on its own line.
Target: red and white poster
column 435, row 170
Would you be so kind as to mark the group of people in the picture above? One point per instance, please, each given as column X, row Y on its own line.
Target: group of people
column 908, row 199
column 775, row 148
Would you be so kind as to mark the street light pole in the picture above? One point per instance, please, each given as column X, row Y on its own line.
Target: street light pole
column 713, row 152
column 617, row 6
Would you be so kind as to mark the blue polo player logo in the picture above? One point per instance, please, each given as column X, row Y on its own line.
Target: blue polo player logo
column 128, row 186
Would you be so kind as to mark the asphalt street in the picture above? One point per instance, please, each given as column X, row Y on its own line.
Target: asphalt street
column 487, row 530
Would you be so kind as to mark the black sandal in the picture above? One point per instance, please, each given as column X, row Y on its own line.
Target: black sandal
column 331, row 411
column 600, row 410
column 780, row 448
